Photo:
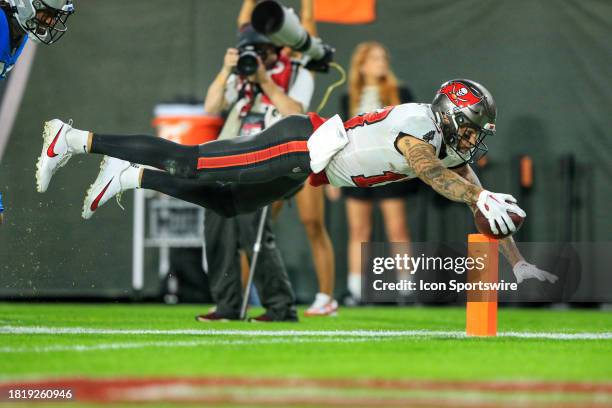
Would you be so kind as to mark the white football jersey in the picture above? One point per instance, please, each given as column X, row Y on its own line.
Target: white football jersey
column 371, row 158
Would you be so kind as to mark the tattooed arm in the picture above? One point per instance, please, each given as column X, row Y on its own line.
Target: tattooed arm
column 467, row 173
column 423, row 161
column 507, row 246
column 494, row 206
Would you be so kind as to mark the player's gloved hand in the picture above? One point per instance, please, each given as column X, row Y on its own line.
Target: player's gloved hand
column 495, row 207
column 524, row 270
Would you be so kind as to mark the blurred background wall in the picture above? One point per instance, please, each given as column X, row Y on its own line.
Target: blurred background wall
column 546, row 62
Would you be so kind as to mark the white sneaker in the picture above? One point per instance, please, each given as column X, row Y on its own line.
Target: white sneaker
column 323, row 305
column 107, row 185
column 55, row 152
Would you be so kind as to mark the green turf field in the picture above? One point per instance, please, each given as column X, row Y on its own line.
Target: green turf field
column 24, row 355
column 45, row 341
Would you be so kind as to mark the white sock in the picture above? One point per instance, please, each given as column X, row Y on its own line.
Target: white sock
column 77, row 140
column 130, row 178
column 354, row 285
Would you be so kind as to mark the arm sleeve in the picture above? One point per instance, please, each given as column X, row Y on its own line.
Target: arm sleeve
column 302, row 88
column 1, row 207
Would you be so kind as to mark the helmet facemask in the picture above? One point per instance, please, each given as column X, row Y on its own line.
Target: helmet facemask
column 454, row 141
column 43, row 22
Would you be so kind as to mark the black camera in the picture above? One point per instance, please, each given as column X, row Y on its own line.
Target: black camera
column 247, row 60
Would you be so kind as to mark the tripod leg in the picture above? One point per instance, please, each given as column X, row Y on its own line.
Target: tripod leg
column 256, row 249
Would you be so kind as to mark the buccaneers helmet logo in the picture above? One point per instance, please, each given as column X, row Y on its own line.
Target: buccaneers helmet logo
column 460, row 95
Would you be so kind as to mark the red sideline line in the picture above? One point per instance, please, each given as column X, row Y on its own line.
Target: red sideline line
column 138, row 390
column 488, row 386
column 252, row 157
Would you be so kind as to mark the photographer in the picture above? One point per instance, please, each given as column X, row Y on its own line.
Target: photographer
column 281, row 86
column 257, row 85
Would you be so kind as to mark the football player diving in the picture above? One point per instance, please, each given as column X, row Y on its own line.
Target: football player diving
column 43, row 21
column 433, row 142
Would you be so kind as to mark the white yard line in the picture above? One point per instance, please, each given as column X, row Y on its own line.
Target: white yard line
column 172, row 344
column 224, row 332
column 296, row 333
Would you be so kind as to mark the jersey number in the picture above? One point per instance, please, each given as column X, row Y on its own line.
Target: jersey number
column 370, row 181
column 368, row 118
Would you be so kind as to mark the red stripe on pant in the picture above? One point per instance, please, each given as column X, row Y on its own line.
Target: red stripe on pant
column 257, row 156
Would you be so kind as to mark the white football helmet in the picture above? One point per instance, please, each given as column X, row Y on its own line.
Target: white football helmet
column 43, row 20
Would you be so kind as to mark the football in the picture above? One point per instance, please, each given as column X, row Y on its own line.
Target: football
column 482, row 224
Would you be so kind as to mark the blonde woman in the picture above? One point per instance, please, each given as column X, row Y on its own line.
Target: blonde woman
column 372, row 85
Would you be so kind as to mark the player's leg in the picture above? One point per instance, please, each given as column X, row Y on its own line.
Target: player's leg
column 227, row 199
column 280, row 150
column 217, row 197
column 62, row 141
column 277, row 151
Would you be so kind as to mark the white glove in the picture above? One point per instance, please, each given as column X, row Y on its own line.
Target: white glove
column 524, row 270
column 495, row 207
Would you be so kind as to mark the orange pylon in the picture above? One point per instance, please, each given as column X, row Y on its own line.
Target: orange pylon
column 481, row 308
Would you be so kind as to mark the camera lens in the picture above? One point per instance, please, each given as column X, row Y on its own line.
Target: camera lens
column 247, row 62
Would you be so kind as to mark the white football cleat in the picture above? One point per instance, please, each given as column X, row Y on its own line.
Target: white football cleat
column 55, row 152
column 323, row 305
column 106, row 186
